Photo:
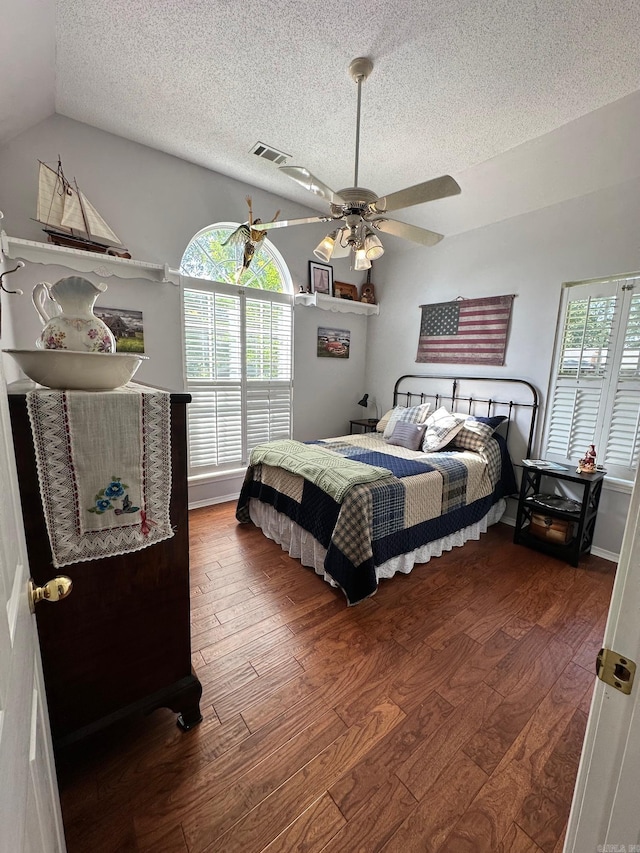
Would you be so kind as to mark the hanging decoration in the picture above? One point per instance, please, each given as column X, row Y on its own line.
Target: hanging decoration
column 465, row 331
column 249, row 238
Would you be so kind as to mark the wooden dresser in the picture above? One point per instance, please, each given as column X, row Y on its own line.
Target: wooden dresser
column 120, row 643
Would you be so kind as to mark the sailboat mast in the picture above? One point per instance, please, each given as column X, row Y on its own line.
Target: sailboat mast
column 84, row 214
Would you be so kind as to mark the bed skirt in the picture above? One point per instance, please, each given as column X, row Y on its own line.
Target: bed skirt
column 300, row 544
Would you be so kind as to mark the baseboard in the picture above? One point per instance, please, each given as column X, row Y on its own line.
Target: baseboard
column 220, row 499
column 606, row 555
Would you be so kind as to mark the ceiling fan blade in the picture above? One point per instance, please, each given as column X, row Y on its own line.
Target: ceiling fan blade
column 304, row 177
column 409, row 232
column 418, row 194
column 284, row 223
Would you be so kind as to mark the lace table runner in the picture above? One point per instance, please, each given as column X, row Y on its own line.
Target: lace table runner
column 104, row 468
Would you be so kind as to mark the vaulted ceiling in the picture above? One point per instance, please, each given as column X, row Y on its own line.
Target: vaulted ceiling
column 524, row 103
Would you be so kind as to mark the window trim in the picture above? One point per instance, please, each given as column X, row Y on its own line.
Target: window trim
column 608, row 388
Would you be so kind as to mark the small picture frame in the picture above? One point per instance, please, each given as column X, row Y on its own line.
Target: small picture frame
column 125, row 325
column 320, row 278
column 368, row 293
column 333, row 343
column 345, row 291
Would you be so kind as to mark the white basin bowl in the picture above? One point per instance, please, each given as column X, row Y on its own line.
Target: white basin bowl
column 77, row 371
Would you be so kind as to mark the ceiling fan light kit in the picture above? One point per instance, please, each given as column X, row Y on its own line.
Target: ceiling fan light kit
column 360, row 212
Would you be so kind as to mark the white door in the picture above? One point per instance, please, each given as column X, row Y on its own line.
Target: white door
column 605, row 814
column 30, row 818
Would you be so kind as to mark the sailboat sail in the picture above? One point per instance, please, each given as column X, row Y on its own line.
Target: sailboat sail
column 75, row 206
column 65, row 208
column 51, row 196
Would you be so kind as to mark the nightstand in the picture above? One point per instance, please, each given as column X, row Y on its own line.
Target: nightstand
column 581, row 520
column 367, row 424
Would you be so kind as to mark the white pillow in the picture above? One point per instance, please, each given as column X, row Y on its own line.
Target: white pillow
column 442, row 426
column 412, row 415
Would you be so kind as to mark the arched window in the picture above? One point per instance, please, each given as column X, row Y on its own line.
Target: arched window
column 207, row 257
column 238, row 348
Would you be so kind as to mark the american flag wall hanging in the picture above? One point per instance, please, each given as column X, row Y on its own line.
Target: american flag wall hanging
column 466, row 331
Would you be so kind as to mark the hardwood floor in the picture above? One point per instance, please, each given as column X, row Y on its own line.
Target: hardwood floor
column 446, row 713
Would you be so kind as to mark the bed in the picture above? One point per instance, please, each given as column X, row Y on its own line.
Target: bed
column 358, row 509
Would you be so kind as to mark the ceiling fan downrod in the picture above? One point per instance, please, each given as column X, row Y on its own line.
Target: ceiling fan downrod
column 359, row 70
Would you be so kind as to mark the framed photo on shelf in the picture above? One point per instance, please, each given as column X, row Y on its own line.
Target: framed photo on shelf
column 320, row 278
column 345, row 291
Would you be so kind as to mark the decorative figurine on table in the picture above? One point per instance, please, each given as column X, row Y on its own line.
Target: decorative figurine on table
column 588, row 464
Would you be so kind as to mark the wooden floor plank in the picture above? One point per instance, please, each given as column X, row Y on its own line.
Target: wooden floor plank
column 375, row 821
column 355, row 788
column 277, row 810
column 427, row 826
column 446, row 713
column 310, row 831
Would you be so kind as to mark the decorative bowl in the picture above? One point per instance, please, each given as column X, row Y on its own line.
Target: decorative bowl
column 77, row 371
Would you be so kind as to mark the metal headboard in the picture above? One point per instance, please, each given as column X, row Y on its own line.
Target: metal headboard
column 459, row 400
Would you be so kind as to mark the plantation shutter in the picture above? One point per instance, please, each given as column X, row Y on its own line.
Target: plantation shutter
column 238, row 353
column 595, row 398
column 621, row 447
column 269, row 347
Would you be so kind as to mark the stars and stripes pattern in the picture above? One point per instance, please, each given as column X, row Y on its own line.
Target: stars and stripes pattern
column 468, row 331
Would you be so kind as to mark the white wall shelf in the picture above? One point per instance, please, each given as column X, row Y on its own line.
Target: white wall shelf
column 76, row 259
column 332, row 303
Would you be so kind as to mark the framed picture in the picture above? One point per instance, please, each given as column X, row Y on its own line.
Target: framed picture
column 320, row 278
column 345, row 291
column 333, row 343
column 368, row 293
column 126, row 327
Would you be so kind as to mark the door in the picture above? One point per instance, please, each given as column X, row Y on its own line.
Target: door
column 30, row 818
column 604, row 813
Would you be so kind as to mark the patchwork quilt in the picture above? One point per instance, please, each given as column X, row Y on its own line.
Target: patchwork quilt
column 415, row 499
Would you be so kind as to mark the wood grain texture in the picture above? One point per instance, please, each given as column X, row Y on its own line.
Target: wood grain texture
column 444, row 714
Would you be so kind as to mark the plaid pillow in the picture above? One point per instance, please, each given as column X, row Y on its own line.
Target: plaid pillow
column 442, row 426
column 474, row 434
column 384, row 420
column 412, row 415
column 407, row 435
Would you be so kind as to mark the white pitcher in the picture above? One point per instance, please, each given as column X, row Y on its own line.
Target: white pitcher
column 66, row 311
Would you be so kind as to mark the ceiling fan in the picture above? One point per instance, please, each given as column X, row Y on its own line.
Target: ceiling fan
column 359, row 213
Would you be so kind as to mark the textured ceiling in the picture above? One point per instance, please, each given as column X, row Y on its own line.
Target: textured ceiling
column 455, row 84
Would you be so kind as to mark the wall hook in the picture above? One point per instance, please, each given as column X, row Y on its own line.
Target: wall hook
column 18, row 266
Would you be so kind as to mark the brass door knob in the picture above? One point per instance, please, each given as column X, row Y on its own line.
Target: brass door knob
column 54, row 590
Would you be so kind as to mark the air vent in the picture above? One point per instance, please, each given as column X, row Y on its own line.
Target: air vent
column 269, row 153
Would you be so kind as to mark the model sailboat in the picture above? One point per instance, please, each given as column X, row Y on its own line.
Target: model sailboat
column 69, row 217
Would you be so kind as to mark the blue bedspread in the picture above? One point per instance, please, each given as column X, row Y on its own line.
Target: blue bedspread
column 425, row 497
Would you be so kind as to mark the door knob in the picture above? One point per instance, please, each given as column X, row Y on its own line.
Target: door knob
column 54, row 590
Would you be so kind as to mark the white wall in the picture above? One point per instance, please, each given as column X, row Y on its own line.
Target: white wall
column 156, row 203
column 531, row 256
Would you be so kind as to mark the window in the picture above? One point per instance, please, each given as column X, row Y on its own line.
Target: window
column 238, row 350
column 595, row 393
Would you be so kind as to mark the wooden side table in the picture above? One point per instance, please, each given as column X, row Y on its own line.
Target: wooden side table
column 583, row 518
column 367, row 424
